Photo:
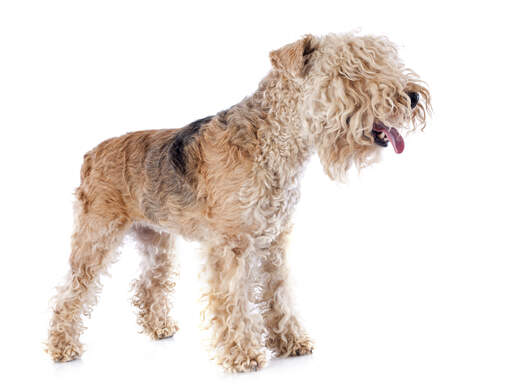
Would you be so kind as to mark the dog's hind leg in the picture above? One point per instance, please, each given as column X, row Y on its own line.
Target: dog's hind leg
column 99, row 229
column 156, row 282
column 286, row 337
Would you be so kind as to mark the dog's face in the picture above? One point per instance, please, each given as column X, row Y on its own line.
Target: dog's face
column 357, row 96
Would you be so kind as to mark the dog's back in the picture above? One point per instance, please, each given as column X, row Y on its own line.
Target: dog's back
column 149, row 176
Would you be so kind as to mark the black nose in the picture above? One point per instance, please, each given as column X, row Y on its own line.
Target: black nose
column 415, row 97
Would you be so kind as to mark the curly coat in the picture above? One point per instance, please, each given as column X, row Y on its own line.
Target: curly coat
column 231, row 181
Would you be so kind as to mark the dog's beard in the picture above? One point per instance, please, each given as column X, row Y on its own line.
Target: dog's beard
column 338, row 159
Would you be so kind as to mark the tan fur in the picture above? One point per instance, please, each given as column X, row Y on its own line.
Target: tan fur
column 156, row 282
column 234, row 191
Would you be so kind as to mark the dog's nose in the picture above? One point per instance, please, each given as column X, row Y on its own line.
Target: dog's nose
column 415, row 97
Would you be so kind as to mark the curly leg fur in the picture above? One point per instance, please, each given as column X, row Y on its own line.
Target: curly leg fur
column 237, row 330
column 93, row 244
column 156, row 282
column 285, row 337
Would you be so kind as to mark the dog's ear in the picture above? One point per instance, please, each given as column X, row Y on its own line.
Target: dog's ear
column 294, row 58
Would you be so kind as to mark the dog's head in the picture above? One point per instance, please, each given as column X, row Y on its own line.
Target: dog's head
column 355, row 92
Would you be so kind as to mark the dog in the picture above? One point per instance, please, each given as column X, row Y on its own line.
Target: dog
column 231, row 182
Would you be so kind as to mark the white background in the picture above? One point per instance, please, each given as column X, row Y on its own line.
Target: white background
column 403, row 276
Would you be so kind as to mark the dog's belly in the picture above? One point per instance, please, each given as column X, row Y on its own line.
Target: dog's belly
column 189, row 222
column 256, row 212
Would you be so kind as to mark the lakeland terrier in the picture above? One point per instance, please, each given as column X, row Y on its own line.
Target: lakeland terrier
column 231, row 181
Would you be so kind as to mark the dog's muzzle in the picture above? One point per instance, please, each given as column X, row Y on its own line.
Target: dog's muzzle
column 383, row 134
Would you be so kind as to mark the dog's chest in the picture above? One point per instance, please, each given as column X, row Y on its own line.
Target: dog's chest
column 270, row 199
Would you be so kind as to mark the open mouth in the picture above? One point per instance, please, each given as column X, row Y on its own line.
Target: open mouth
column 382, row 135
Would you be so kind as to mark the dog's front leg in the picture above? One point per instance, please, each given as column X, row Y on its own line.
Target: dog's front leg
column 286, row 337
column 237, row 326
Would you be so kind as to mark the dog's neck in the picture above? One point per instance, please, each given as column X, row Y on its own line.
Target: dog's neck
column 280, row 130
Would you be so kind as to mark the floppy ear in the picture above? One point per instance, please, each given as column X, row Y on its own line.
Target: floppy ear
column 294, row 57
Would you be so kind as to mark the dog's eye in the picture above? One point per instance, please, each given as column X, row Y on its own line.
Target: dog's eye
column 414, row 97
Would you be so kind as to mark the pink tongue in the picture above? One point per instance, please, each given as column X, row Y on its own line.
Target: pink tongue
column 395, row 138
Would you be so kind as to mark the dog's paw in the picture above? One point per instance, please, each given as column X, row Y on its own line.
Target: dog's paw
column 244, row 361
column 63, row 352
column 158, row 329
column 301, row 347
column 166, row 331
column 284, row 346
